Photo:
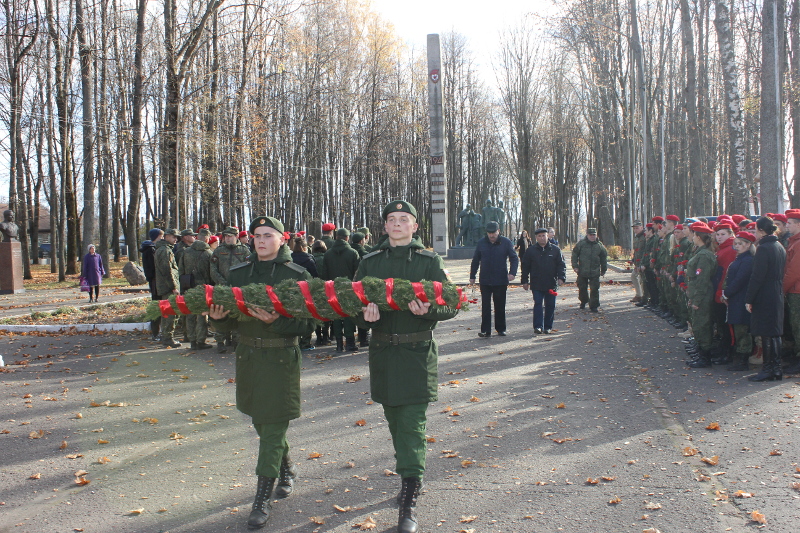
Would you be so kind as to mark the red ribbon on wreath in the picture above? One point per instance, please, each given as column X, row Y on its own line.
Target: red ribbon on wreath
column 461, row 297
column 437, row 291
column 166, row 308
column 276, row 302
column 209, row 295
column 181, row 302
column 419, row 291
column 237, row 293
column 389, row 299
column 358, row 288
column 333, row 300
column 309, row 300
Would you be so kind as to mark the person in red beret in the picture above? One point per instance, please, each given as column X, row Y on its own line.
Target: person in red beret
column 327, row 234
column 723, row 234
column 736, row 281
column 700, row 291
column 213, row 242
column 202, row 226
column 650, row 296
column 791, row 283
column 738, row 218
column 244, row 238
column 779, row 219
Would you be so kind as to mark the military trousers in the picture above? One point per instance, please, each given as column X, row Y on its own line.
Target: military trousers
column 197, row 326
column 589, row 290
column 742, row 339
column 272, row 447
column 636, row 281
column 407, row 427
column 344, row 327
column 793, row 302
column 167, row 323
column 702, row 324
column 155, row 325
column 652, row 286
column 493, row 294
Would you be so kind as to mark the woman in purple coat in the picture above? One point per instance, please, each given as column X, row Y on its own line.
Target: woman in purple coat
column 92, row 270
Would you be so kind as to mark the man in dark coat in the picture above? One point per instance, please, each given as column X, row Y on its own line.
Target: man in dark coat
column 148, row 252
column 268, row 361
column 492, row 255
column 764, row 299
column 403, row 356
column 543, row 263
column 589, row 261
column 341, row 261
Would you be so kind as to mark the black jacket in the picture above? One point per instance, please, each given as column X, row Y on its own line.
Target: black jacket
column 491, row 258
column 735, row 290
column 544, row 266
column 765, row 290
column 148, row 252
column 306, row 261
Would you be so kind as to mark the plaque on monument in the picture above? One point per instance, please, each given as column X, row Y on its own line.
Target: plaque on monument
column 11, row 268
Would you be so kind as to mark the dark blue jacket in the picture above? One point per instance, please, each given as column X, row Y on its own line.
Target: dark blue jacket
column 765, row 290
column 736, row 288
column 492, row 260
column 545, row 266
column 148, row 252
column 306, row 261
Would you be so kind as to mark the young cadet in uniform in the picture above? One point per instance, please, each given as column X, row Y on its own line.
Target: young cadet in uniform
column 341, row 261
column 700, row 292
column 267, row 363
column 227, row 255
column 196, row 260
column 167, row 282
column 327, row 234
column 403, row 356
column 639, row 239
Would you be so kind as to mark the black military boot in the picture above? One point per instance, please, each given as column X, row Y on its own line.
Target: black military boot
column 407, row 519
column 285, row 484
column 420, row 491
column 771, row 369
column 203, row 345
column 221, row 347
column 739, row 362
column 703, row 360
column 262, row 504
column 155, row 326
column 320, row 342
column 725, row 356
column 363, row 338
column 350, row 345
column 339, row 344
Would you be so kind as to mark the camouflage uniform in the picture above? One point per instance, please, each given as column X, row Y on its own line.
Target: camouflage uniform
column 223, row 259
column 166, row 283
column 196, row 260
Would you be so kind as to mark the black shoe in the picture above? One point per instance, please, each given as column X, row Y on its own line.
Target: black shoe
column 407, row 518
column 399, row 498
column 262, row 504
column 548, row 331
column 538, row 331
column 350, row 344
column 792, row 368
column 724, row 358
column 288, row 474
column 682, row 326
column 594, row 310
column 339, row 344
column 501, row 333
column 771, row 370
column 221, row 347
column 363, row 338
column 170, row 343
column 202, row 346
column 484, row 335
column 739, row 363
column 703, row 360
column 192, row 346
column 583, row 305
column 641, row 304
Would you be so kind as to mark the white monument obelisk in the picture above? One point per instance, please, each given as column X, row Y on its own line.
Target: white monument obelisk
column 438, row 180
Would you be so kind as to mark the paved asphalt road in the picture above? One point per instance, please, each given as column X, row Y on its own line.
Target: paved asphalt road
column 521, row 424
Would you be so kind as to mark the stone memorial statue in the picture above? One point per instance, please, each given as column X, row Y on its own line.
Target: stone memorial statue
column 501, row 215
column 488, row 212
column 8, row 227
column 470, row 224
column 494, row 213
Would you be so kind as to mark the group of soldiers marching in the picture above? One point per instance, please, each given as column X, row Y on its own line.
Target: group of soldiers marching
column 715, row 280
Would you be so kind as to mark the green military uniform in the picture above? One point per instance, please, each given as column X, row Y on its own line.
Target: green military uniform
column 328, row 240
column 648, row 261
column 700, row 293
column 639, row 241
column 358, row 245
column 365, row 232
column 341, row 261
column 590, row 260
column 404, row 376
column 166, row 283
column 225, row 257
column 680, row 260
column 196, row 260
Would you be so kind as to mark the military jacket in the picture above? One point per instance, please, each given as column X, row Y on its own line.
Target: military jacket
column 407, row 373
column 699, row 273
column 341, row 261
column 224, row 258
column 639, row 242
column 589, row 258
column 267, row 379
column 650, row 245
column 665, row 253
column 166, row 269
column 329, row 241
column 178, row 250
column 360, row 249
column 197, row 260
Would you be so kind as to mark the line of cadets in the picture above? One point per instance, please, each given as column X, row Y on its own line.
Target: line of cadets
column 696, row 276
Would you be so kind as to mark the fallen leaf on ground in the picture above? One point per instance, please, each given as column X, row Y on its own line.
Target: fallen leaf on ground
column 561, row 406
column 102, row 441
column 353, row 379
column 430, row 439
column 651, row 530
column 81, row 481
column 314, row 455
column 713, row 461
column 176, row 436
column 467, row 519
column 37, row 475
column 103, row 460
column 342, row 509
column 615, row 501
column 36, row 434
column 467, row 463
column 317, row 520
column 608, row 478
column 756, row 516
column 713, row 426
column 743, row 494
column 63, row 445
column 590, row 481
column 689, row 451
column 136, row 511
column 74, row 455
column 368, row 523
column 776, row 452
column 361, row 422
column 652, row 506
column 474, row 399
column 388, row 472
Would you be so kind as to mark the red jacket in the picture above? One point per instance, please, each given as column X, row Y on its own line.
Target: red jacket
column 791, row 273
column 725, row 256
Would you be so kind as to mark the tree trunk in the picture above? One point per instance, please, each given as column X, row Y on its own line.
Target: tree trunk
column 89, row 233
column 771, row 145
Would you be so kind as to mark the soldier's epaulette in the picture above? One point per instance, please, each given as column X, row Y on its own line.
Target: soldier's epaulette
column 240, row 265
column 376, row 252
column 295, row 267
column 427, row 253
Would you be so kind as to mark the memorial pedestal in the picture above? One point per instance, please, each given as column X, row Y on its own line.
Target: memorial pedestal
column 461, row 252
column 11, row 268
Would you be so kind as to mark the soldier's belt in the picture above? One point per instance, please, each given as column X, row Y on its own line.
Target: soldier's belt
column 402, row 338
column 258, row 342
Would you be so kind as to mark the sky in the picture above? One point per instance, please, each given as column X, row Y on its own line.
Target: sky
column 480, row 22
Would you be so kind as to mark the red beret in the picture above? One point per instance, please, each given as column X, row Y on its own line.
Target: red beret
column 738, row 218
column 700, row 227
column 747, row 236
column 658, row 220
column 779, row 217
column 679, row 226
column 724, row 218
column 202, row 226
column 751, row 225
column 328, row 226
column 213, row 239
column 673, row 218
column 791, row 213
column 649, row 225
column 722, row 225
column 242, row 234
column 301, row 232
